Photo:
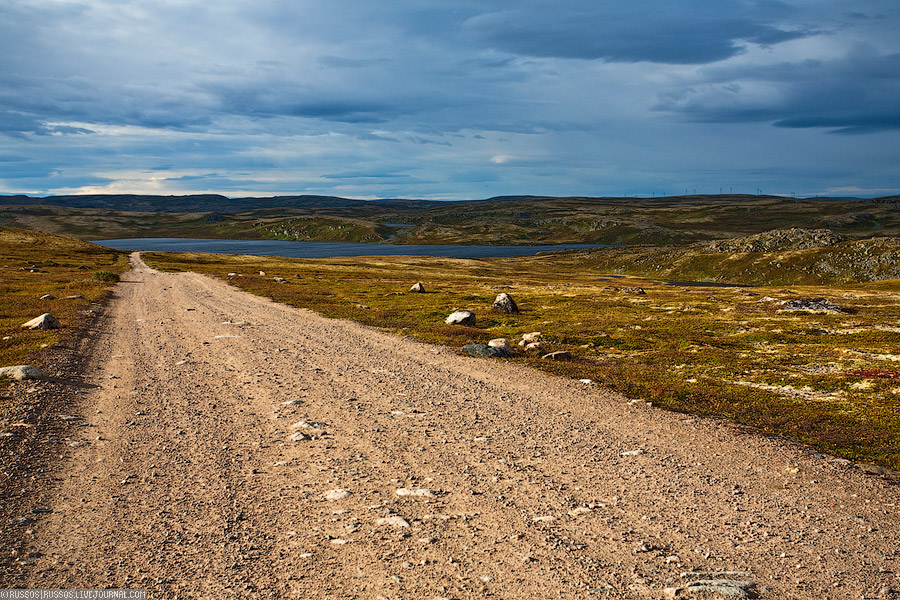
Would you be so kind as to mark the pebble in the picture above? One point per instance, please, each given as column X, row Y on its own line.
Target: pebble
column 418, row 492
column 337, row 494
column 637, row 452
column 299, row 436
column 393, row 521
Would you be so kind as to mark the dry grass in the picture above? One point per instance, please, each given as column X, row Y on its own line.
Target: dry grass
column 64, row 267
column 703, row 350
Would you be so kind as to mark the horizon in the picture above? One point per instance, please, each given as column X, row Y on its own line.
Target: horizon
column 461, row 100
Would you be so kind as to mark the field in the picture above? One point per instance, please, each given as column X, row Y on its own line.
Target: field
column 70, row 270
column 505, row 221
column 831, row 380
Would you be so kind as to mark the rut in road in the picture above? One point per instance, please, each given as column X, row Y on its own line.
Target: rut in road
column 188, row 482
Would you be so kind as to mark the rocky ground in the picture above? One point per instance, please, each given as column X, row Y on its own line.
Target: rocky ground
column 221, row 445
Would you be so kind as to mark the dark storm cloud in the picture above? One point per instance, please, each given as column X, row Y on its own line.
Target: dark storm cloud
column 854, row 94
column 626, row 31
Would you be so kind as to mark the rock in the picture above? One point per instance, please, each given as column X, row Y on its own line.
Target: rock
column 531, row 337
column 75, row 297
column 418, row 492
column 723, row 583
column 501, row 344
column 20, row 372
column 393, row 521
column 729, row 588
column 279, row 279
column 637, row 452
column 338, row 494
column 417, row 288
column 232, row 274
column 45, row 321
column 485, row 350
column 262, row 273
column 558, row 355
column 299, row 436
column 778, row 240
column 537, row 346
column 505, row 304
column 633, row 290
column 811, row 305
column 461, row 317
column 48, row 297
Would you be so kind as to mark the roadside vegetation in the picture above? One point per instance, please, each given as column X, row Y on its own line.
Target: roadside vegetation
column 34, row 264
column 829, row 379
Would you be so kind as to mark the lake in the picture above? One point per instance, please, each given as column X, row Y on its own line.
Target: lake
column 326, row 249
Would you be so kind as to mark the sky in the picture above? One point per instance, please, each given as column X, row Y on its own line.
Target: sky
column 450, row 99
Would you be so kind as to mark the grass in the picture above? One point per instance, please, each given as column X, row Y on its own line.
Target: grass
column 729, row 352
column 63, row 267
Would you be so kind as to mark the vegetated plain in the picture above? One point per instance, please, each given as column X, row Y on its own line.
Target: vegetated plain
column 34, row 264
column 502, row 221
column 831, row 380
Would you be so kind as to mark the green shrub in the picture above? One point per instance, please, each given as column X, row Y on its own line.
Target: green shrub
column 106, row 276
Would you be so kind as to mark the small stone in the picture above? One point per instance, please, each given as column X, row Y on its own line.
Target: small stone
column 501, row 344
column 637, row 452
column 338, row 541
column 337, row 494
column 558, row 355
column 417, row 288
column 279, row 280
column 461, row 317
column 22, row 372
column 299, row 436
column 392, row 521
column 673, row 592
column 531, row 337
column 262, row 273
column 542, row 519
column 417, row 492
column 486, row 578
column 505, row 304
column 536, row 346
column 45, row 321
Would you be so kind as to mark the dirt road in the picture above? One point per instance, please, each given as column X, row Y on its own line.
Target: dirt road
column 186, row 480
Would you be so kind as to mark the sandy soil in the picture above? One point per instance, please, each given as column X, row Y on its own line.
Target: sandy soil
column 179, row 474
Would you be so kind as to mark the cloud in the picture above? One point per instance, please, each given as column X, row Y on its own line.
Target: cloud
column 853, row 94
column 696, row 32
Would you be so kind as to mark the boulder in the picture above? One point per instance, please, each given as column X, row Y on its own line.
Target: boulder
column 502, row 343
column 20, row 372
column 485, row 350
column 558, row 355
column 461, row 317
column 417, row 288
column 811, row 305
column 505, row 304
column 45, row 321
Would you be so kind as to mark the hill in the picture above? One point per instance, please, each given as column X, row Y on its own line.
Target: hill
column 512, row 220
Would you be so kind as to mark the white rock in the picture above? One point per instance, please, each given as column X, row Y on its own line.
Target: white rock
column 417, row 288
column 299, row 436
column 45, row 321
column 501, row 343
column 461, row 317
column 418, row 492
column 20, row 372
column 338, row 494
column 637, row 452
column 393, row 521
column 48, row 297
column 531, row 337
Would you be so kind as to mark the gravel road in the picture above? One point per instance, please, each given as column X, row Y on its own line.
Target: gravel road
column 237, row 448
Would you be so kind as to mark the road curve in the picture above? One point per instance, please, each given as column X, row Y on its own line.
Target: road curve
column 187, row 482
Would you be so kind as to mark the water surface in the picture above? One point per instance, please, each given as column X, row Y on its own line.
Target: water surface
column 326, row 249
